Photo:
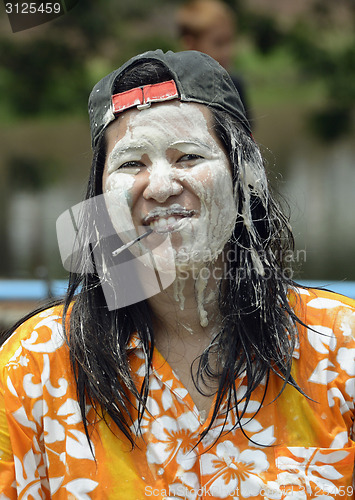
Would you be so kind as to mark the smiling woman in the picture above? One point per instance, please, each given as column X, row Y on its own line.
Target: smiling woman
column 170, row 153
column 229, row 380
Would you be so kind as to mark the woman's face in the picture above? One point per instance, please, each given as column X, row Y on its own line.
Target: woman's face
column 166, row 170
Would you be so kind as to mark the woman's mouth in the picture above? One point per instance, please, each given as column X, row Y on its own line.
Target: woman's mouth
column 164, row 220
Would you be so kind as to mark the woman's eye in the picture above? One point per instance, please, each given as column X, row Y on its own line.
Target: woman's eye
column 189, row 158
column 131, row 164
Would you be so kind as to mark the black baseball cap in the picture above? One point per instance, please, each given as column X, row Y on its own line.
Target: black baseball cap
column 196, row 77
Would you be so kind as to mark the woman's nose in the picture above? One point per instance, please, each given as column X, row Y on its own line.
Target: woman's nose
column 162, row 184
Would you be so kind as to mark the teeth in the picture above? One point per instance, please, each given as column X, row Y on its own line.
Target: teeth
column 163, row 224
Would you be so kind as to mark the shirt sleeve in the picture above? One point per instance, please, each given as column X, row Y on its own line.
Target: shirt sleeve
column 21, row 457
column 7, row 466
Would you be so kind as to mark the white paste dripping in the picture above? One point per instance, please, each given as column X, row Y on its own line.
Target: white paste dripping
column 179, row 285
column 200, row 287
column 251, row 181
column 188, row 328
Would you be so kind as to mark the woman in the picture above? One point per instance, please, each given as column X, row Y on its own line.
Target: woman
column 231, row 382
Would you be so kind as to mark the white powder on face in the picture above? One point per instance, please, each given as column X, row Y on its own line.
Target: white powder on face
column 216, row 221
column 109, row 116
column 206, row 186
column 184, row 127
column 117, row 197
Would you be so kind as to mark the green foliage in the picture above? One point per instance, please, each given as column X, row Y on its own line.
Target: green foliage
column 321, row 50
column 42, row 77
column 335, row 66
column 31, row 174
column 267, row 35
column 331, row 123
column 51, row 72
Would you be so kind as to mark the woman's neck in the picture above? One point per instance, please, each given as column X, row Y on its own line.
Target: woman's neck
column 188, row 307
column 180, row 337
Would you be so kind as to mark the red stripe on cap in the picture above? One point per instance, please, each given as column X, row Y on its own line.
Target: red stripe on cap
column 139, row 96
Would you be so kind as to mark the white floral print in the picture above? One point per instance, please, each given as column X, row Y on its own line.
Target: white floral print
column 175, row 439
column 233, row 470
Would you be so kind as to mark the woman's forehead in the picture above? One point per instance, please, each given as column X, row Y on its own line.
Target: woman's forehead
column 174, row 117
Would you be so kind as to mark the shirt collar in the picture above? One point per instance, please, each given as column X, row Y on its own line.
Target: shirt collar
column 134, row 342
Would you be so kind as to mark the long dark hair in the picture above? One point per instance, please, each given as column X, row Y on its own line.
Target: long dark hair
column 258, row 330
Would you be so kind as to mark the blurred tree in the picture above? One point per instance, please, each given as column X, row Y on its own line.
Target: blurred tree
column 332, row 61
column 42, row 76
column 52, row 69
column 322, row 43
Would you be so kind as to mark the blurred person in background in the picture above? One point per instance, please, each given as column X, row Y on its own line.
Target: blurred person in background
column 209, row 26
column 231, row 382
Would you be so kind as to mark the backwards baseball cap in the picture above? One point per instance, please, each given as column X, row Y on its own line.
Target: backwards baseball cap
column 196, row 77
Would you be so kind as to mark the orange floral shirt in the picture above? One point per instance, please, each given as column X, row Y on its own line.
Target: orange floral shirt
column 294, row 448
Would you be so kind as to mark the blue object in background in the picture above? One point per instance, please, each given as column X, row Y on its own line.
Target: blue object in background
column 41, row 289
column 31, row 289
column 343, row 287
